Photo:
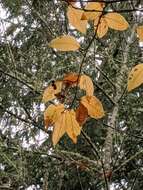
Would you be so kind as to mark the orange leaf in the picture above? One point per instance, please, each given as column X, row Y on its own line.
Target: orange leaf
column 52, row 113
column 81, row 114
column 94, row 106
column 65, row 43
column 72, row 127
column 140, row 33
column 116, row 21
column 74, row 17
column 51, row 91
column 91, row 15
column 86, row 84
column 135, row 78
column 70, row 78
column 102, row 28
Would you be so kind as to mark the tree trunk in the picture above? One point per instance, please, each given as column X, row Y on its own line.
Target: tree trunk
column 112, row 118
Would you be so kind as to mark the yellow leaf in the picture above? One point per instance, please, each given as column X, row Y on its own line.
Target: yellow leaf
column 74, row 17
column 97, row 21
column 59, row 128
column 65, row 43
column 91, row 15
column 72, row 127
column 66, row 123
column 140, row 33
column 94, row 106
column 51, row 91
column 102, row 28
column 81, row 114
column 135, row 77
column 86, row 84
column 116, row 21
column 52, row 113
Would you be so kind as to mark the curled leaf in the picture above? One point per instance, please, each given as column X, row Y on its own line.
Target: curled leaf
column 51, row 91
column 86, row 84
column 70, row 78
column 135, row 77
column 65, row 43
column 94, row 106
column 102, row 27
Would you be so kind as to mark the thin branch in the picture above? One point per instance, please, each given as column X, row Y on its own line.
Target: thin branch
column 111, row 11
column 96, row 154
column 135, row 179
column 19, row 80
column 128, row 160
column 103, row 91
column 84, row 57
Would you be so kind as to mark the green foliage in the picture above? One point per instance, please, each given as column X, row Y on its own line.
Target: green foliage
column 28, row 65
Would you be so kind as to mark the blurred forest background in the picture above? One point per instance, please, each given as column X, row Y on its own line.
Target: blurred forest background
column 109, row 154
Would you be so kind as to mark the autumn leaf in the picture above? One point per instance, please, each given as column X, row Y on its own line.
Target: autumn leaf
column 116, row 21
column 59, row 128
column 66, row 123
column 52, row 113
column 51, row 91
column 71, row 78
column 135, row 77
column 72, row 127
column 81, row 114
column 86, row 84
column 91, row 15
column 65, row 43
column 101, row 28
column 74, row 17
column 140, row 33
column 94, row 106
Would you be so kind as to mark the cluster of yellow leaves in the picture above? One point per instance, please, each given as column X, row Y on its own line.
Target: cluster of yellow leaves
column 64, row 121
column 79, row 19
column 135, row 77
column 68, row 120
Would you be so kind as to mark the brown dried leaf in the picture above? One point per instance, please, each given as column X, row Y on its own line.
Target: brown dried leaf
column 81, row 114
